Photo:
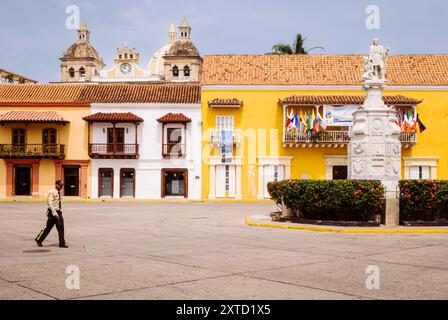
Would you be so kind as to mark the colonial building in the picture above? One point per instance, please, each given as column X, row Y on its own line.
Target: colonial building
column 176, row 61
column 105, row 140
column 273, row 117
column 11, row 77
column 81, row 62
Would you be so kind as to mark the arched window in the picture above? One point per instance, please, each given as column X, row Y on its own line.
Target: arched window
column 175, row 71
column 82, row 72
column 186, row 71
column 71, row 72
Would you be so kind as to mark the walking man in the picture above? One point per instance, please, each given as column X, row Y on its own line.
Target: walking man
column 54, row 214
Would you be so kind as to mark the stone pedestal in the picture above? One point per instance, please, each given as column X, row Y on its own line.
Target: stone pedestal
column 392, row 212
column 374, row 151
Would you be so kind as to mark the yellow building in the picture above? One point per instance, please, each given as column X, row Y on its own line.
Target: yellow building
column 252, row 96
column 43, row 138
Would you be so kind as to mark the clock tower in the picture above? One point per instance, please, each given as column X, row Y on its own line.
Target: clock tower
column 126, row 67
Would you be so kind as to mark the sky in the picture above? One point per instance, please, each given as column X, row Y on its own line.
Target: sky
column 33, row 34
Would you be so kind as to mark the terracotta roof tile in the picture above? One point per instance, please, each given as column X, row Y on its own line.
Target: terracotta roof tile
column 225, row 102
column 174, row 118
column 397, row 100
column 403, row 70
column 113, row 116
column 99, row 93
column 32, row 116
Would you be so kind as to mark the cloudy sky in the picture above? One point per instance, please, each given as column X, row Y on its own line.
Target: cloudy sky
column 33, row 34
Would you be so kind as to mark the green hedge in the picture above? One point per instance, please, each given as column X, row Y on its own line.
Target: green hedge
column 350, row 200
column 422, row 199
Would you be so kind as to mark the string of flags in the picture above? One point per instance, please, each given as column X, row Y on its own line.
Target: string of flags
column 308, row 121
column 409, row 122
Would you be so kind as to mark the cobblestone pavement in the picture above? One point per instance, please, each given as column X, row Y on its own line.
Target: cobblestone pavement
column 205, row 251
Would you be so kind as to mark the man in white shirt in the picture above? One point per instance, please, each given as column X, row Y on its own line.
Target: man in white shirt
column 54, row 214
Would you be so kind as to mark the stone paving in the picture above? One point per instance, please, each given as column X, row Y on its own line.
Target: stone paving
column 205, row 251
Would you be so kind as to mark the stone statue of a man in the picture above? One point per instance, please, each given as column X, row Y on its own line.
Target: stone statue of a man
column 377, row 57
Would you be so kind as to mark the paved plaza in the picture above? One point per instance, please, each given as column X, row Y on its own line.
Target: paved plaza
column 205, row 251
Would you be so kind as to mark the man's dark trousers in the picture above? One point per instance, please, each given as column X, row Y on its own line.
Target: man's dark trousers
column 50, row 224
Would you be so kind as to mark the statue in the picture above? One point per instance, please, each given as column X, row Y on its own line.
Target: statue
column 375, row 63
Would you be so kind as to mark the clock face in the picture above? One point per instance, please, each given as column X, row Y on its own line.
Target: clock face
column 125, row 68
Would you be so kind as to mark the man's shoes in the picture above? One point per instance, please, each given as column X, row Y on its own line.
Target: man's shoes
column 63, row 246
column 39, row 244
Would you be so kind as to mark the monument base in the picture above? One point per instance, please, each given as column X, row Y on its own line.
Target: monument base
column 392, row 212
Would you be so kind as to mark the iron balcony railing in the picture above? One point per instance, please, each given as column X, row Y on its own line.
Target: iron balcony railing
column 336, row 137
column 216, row 137
column 51, row 151
column 112, row 150
column 173, row 150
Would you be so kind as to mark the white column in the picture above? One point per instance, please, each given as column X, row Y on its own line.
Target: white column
column 212, row 187
column 238, row 194
column 260, row 182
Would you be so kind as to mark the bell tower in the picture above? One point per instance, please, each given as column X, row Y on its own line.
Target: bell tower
column 184, row 29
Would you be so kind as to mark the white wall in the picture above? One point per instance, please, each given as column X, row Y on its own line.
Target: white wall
column 148, row 167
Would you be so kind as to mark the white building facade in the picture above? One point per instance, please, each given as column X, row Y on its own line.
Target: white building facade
column 145, row 150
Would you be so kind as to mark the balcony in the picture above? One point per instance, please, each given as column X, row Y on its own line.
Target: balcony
column 216, row 137
column 334, row 139
column 408, row 139
column 324, row 139
column 32, row 151
column 113, row 151
column 173, row 150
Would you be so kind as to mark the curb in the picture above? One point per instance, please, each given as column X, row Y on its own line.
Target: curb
column 249, row 222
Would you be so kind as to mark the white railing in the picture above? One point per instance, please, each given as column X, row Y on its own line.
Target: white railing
column 322, row 136
column 408, row 137
column 216, row 136
column 335, row 136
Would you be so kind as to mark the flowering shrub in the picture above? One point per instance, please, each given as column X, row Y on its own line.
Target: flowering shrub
column 422, row 199
column 356, row 200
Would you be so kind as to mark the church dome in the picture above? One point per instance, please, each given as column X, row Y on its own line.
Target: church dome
column 82, row 50
column 183, row 47
column 156, row 63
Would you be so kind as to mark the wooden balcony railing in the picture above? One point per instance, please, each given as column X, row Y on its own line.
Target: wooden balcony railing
column 48, row 151
column 113, row 150
column 216, row 137
column 173, row 150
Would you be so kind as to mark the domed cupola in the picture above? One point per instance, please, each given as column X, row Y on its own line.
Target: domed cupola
column 182, row 61
column 81, row 61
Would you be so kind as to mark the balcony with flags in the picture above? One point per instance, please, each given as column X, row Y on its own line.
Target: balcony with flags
column 324, row 121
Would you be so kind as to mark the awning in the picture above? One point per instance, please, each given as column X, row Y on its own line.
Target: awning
column 335, row 100
column 32, row 117
column 223, row 103
column 113, row 117
column 174, row 118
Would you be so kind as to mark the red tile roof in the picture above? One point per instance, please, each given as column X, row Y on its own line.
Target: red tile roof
column 75, row 93
column 113, row 117
column 225, row 102
column 174, row 118
column 402, row 70
column 397, row 100
column 32, row 116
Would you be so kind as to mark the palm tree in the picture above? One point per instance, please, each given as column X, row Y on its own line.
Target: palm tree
column 297, row 48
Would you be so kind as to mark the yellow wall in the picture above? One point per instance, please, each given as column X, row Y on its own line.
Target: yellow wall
column 261, row 111
column 73, row 135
